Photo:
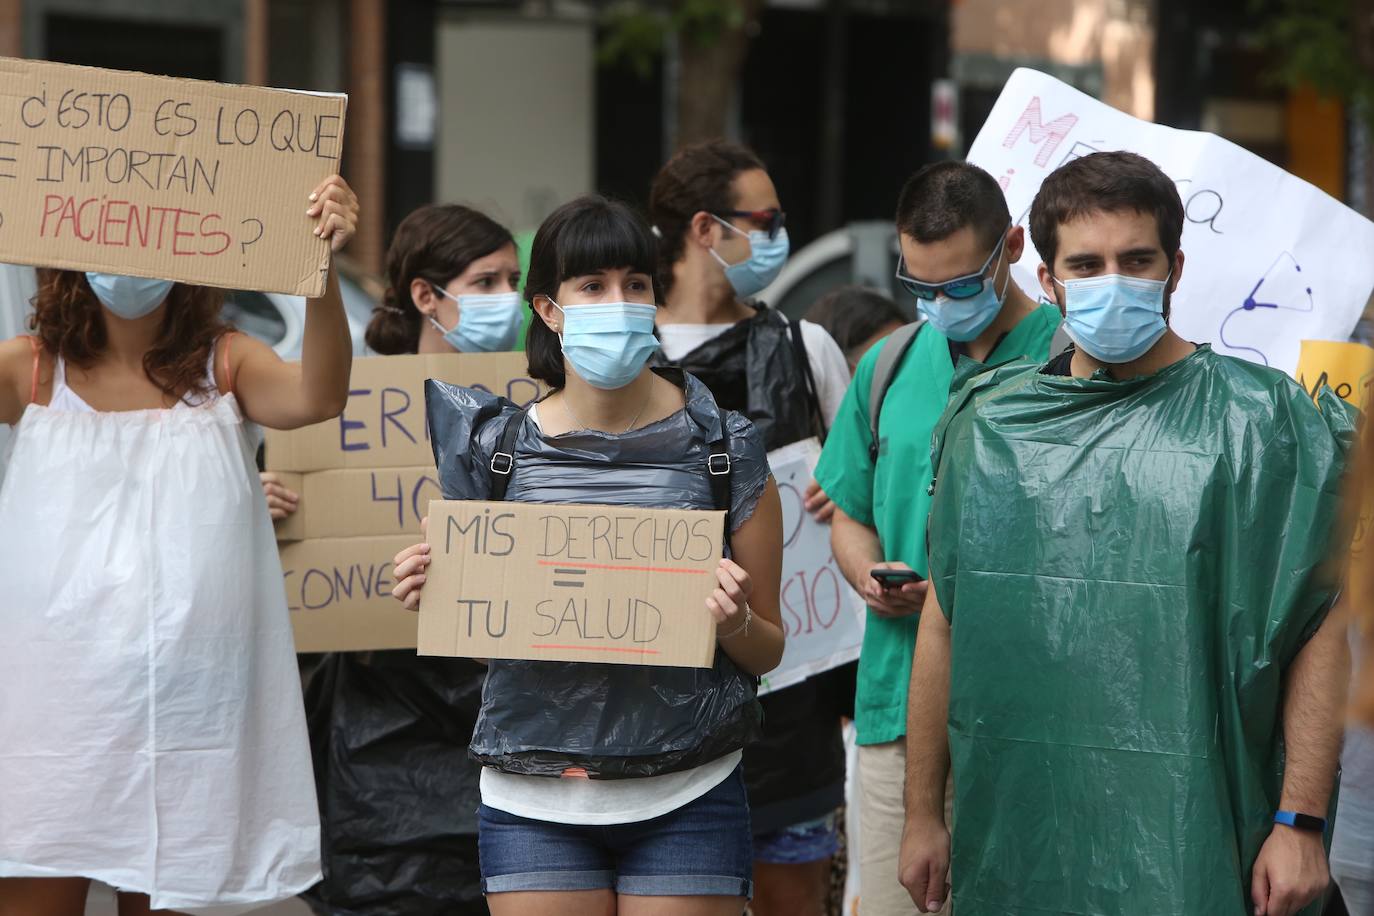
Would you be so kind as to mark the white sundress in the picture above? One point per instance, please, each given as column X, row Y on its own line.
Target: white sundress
column 152, row 734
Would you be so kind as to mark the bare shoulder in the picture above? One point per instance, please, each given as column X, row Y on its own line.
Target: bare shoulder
column 16, row 377
column 16, row 360
column 238, row 349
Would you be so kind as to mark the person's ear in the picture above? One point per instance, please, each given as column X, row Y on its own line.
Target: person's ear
column 1047, row 284
column 548, row 313
column 1016, row 243
column 1178, row 271
column 423, row 295
column 704, row 230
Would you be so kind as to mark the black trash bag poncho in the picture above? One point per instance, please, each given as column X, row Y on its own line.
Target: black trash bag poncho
column 1128, row 568
column 538, row 717
column 398, row 793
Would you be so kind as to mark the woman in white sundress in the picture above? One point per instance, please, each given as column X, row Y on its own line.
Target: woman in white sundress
column 151, row 729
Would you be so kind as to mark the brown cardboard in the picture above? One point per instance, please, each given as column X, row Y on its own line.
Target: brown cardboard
column 178, row 179
column 383, row 424
column 570, row 583
column 359, row 503
column 339, row 594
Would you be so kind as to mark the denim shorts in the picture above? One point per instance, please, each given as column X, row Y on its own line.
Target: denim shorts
column 703, row 848
column 809, row 841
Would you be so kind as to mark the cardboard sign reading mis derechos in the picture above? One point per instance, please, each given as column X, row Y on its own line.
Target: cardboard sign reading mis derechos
column 158, row 177
column 570, row 583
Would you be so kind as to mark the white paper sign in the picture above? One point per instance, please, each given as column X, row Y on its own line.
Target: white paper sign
column 821, row 615
column 1270, row 259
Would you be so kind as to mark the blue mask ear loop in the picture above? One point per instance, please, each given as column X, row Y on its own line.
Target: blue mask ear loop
column 1006, row 286
column 715, row 254
column 435, row 321
column 559, row 329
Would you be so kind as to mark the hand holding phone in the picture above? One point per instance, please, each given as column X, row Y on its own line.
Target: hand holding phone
column 894, row 590
column 895, row 578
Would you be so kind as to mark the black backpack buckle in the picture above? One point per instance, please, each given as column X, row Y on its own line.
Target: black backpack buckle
column 502, row 463
column 718, row 464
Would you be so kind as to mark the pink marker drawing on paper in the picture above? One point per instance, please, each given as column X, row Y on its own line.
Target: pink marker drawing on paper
column 1050, row 135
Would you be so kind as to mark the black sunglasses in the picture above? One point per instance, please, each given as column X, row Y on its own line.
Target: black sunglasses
column 965, row 287
column 772, row 217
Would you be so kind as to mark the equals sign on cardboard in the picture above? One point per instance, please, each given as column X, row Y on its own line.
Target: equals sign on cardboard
column 566, row 582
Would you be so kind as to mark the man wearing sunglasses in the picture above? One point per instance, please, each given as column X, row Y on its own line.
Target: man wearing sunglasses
column 957, row 245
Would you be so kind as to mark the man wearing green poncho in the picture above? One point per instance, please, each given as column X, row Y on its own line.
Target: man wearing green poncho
column 1124, row 657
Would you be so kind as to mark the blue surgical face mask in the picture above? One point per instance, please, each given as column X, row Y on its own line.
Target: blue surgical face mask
column 765, row 261
column 487, row 323
column 129, row 297
column 963, row 320
column 608, row 343
column 1113, row 318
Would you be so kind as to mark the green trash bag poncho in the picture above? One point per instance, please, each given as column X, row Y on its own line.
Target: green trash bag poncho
column 1128, row 568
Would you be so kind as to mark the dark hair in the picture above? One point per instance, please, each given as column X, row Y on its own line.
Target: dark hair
column 698, row 178
column 437, row 242
column 1105, row 182
column 853, row 314
column 944, row 197
column 68, row 320
column 583, row 236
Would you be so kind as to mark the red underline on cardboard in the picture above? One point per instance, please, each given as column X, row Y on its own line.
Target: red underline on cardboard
column 598, row 649
column 654, row 569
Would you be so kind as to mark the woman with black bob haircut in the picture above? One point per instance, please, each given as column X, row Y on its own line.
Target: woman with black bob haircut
column 615, row 788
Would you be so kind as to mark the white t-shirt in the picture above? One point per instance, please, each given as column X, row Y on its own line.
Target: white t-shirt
column 828, row 364
column 572, row 800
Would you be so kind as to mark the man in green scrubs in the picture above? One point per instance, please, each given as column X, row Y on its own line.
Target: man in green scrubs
column 958, row 246
column 1126, row 656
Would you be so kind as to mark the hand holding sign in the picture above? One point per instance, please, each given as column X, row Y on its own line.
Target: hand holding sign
column 410, row 566
column 729, row 602
column 335, row 206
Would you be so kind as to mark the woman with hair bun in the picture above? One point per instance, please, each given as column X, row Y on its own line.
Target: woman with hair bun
column 390, row 729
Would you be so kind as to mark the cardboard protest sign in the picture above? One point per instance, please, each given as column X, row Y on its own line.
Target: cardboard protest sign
column 339, row 593
column 571, row 583
column 383, row 425
column 157, row 177
column 358, row 503
column 822, row 617
column 1271, row 259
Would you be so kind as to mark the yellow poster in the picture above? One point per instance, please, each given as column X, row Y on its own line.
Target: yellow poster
column 1348, row 370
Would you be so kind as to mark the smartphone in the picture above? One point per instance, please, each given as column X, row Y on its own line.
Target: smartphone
column 896, row 578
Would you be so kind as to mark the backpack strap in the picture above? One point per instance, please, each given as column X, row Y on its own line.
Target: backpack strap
column 889, row 358
column 503, row 459
column 812, row 391
column 719, row 472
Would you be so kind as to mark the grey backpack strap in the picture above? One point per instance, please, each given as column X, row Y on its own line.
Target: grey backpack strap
column 1061, row 340
column 889, row 358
